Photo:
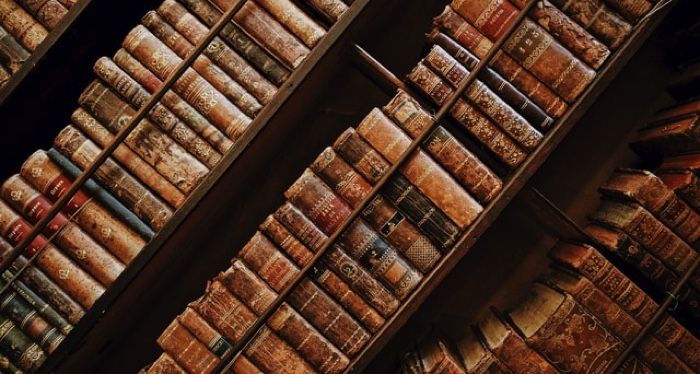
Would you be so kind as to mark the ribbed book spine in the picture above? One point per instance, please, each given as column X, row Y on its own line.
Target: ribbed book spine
column 272, row 355
column 204, row 332
column 224, row 311
column 165, row 364
column 16, row 346
column 21, row 25
column 332, row 10
column 598, row 19
column 491, row 17
column 186, row 350
column 48, row 12
column 298, row 22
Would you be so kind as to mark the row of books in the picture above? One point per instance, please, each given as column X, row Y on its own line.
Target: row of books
column 134, row 193
column 24, row 24
column 383, row 255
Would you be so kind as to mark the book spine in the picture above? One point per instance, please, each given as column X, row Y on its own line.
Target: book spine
column 598, row 19
column 242, row 365
column 125, row 187
column 272, row 355
column 240, row 42
column 332, row 10
column 288, row 14
column 218, row 51
column 518, row 357
column 202, row 330
column 328, row 317
column 286, row 241
column 18, row 347
column 298, row 224
column 52, row 163
column 505, row 90
column 341, row 177
column 572, row 36
column 49, row 13
column 632, row 10
column 365, row 159
column 306, row 340
column 247, row 287
column 162, row 61
column 202, row 64
column 21, row 25
column 137, row 96
column 263, row 257
column 165, row 364
column 485, row 131
column 12, row 54
column 4, row 76
column 224, row 311
column 186, row 350
column 462, row 31
column 491, row 17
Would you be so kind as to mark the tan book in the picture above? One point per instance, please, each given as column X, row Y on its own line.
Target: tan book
column 187, row 351
column 21, row 25
column 298, row 22
column 272, row 355
column 165, row 364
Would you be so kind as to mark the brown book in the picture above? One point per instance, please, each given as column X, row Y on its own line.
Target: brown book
column 318, row 202
column 669, row 138
column 298, row 22
column 685, row 184
column 12, row 54
column 122, row 185
column 676, row 111
column 510, row 348
column 341, row 177
column 479, row 126
column 48, row 12
column 224, row 311
column 617, row 321
column 162, row 61
column 419, row 169
column 268, row 32
column 262, row 257
column 21, row 25
column 137, row 96
column 469, row 37
column 202, row 64
column 242, row 365
column 218, row 51
column 632, row 10
column 689, row 162
column 187, row 351
column 131, row 161
column 299, row 225
column 100, row 263
column 329, row 9
column 285, row 240
column 435, row 357
column 97, row 221
column 204, row 332
column 472, row 353
column 491, row 17
column 306, row 340
column 165, row 364
column 272, row 355
column 601, row 21
column 68, row 3
column 247, row 287
column 4, row 76
column 649, row 191
column 587, row 261
column 572, row 36
column 54, row 263
column 447, row 150
column 479, row 95
column 362, row 156
column 559, row 328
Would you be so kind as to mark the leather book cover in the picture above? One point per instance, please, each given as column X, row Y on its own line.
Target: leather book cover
column 240, row 42
column 299, row 225
column 445, row 148
column 435, row 357
column 18, row 347
column 462, row 31
column 341, row 177
column 68, row 3
column 474, row 356
column 676, row 111
column 332, row 10
column 672, row 138
column 690, row 161
column 306, row 340
column 572, row 36
column 478, row 125
column 201, row 94
column 296, row 21
column 321, row 311
column 365, row 159
column 218, row 51
column 187, row 351
column 685, row 183
column 262, row 257
column 165, row 365
column 242, row 365
column 260, row 25
column 504, row 89
column 491, row 17
column 48, row 12
column 601, row 21
column 22, row 25
column 125, row 187
column 204, row 332
column 12, row 54
column 318, row 202
column 131, row 161
column 632, row 10
column 224, row 311
column 272, row 355
column 247, row 287
column 285, row 240
column 479, row 95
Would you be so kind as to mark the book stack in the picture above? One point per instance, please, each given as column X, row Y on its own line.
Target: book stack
column 24, row 24
column 134, row 193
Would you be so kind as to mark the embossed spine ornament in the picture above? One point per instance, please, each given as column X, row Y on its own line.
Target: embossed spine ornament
column 224, row 311
column 332, row 10
column 187, row 351
column 318, row 202
column 594, row 16
column 684, row 183
column 272, row 355
column 48, row 12
column 21, row 25
column 298, row 22
column 18, row 347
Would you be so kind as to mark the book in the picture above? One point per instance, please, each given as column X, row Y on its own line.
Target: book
column 296, row 21
column 20, row 24
column 491, row 17
column 299, row 225
column 331, row 10
column 473, row 355
column 18, row 347
column 676, row 111
column 572, row 36
column 247, row 287
column 362, row 156
column 272, row 355
column 277, row 233
column 669, row 138
column 218, row 51
column 48, row 12
column 165, row 364
column 632, row 10
column 224, row 311
column 598, row 19
column 685, row 184
column 242, row 365
column 262, row 257
column 318, row 202
column 341, row 177
column 204, row 332
column 12, row 54
column 8, row 366
column 434, row 356
column 186, row 350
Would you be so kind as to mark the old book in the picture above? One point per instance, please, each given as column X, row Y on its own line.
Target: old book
column 478, row 125
column 199, row 123
column 341, row 177
column 505, row 90
column 510, row 348
column 328, row 317
column 263, row 258
column 4, row 76
column 299, row 225
column 306, row 340
column 421, row 170
column 479, row 95
column 617, row 321
column 559, row 328
column 649, row 191
column 162, row 61
column 240, row 42
column 48, row 12
column 491, row 17
column 684, row 183
column 272, row 355
column 224, row 311
column 269, row 32
column 669, row 138
column 90, row 255
column 632, row 10
column 362, row 156
column 231, row 89
column 218, row 51
column 137, row 96
column 587, row 261
column 187, row 351
column 68, row 3
column 690, row 161
column 204, row 332
column 434, row 356
column 447, row 150
column 54, row 178
column 165, row 364
column 12, row 54
column 21, row 25
column 93, row 219
column 332, row 10
column 572, row 36
column 131, row 161
column 601, row 21
column 247, row 287
column 62, row 270
column 285, row 240
column 472, row 353
column 318, row 202
column 18, row 347
column 242, row 365
column 469, row 37
column 131, row 192
column 676, row 111
column 298, row 22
